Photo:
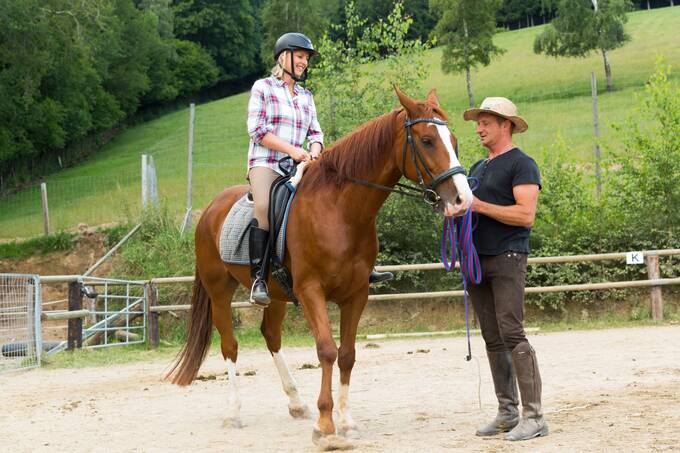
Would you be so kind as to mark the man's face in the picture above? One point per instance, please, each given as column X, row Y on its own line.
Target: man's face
column 490, row 129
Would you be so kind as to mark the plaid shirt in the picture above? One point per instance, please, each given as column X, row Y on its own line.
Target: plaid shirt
column 272, row 109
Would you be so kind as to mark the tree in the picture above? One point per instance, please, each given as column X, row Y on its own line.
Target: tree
column 352, row 81
column 226, row 29
column 466, row 27
column 583, row 26
column 309, row 17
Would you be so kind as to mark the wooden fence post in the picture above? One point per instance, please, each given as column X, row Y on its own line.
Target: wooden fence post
column 186, row 224
column 655, row 291
column 75, row 326
column 45, row 208
column 152, row 316
column 596, row 127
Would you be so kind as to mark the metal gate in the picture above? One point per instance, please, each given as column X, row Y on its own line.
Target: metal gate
column 20, row 339
column 116, row 313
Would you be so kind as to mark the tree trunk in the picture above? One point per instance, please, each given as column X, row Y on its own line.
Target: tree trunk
column 469, row 87
column 648, row 5
column 607, row 70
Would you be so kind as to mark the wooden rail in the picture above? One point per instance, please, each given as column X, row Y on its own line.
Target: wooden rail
column 76, row 312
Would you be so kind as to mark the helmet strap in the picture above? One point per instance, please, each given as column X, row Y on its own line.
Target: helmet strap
column 302, row 78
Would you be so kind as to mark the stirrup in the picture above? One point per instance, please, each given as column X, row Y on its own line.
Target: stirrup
column 259, row 303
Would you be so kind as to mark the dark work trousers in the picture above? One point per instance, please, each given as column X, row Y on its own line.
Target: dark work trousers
column 499, row 300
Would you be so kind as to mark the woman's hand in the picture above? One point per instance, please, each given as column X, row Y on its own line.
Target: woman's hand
column 315, row 150
column 298, row 154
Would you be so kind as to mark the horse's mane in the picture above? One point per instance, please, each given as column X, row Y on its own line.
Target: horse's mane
column 356, row 155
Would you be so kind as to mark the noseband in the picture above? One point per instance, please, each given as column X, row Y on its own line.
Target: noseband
column 425, row 191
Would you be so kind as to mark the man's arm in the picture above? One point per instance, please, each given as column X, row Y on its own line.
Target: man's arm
column 522, row 213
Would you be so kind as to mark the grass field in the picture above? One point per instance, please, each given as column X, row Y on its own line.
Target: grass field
column 552, row 94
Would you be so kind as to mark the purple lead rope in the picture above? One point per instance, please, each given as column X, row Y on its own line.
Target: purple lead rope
column 457, row 234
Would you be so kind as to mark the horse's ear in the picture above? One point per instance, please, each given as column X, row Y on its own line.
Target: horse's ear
column 432, row 97
column 408, row 103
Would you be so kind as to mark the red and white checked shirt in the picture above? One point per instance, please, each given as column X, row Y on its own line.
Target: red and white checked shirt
column 292, row 118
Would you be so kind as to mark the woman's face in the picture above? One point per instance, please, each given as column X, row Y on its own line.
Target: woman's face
column 300, row 62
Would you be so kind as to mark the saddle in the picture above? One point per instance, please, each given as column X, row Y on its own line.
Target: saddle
column 236, row 231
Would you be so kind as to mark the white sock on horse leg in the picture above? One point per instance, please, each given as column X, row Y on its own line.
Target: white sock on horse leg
column 233, row 402
column 287, row 380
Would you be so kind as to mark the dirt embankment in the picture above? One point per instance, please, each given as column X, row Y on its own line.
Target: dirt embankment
column 88, row 247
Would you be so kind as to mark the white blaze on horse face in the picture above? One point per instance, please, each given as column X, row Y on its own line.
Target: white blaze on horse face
column 459, row 179
column 295, row 404
column 233, row 403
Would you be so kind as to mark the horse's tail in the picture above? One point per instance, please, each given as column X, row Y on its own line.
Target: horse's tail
column 193, row 353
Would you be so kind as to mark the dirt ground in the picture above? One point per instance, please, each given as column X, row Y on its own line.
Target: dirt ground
column 605, row 390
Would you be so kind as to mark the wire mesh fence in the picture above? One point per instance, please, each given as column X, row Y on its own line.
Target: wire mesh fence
column 20, row 339
column 93, row 200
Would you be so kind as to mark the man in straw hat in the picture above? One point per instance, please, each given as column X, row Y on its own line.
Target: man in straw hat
column 505, row 203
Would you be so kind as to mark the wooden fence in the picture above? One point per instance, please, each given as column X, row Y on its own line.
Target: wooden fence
column 651, row 257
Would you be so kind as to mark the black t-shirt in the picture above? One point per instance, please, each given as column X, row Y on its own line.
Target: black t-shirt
column 496, row 178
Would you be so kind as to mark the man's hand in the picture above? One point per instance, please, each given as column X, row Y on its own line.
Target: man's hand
column 474, row 207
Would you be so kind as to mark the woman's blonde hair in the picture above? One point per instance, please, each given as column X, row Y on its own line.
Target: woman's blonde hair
column 277, row 70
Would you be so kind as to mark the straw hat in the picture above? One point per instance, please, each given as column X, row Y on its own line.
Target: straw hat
column 502, row 107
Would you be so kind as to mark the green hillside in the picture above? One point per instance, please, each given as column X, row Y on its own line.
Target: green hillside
column 552, row 94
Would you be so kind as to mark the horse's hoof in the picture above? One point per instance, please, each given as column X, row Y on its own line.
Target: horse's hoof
column 329, row 442
column 232, row 422
column 300, row 412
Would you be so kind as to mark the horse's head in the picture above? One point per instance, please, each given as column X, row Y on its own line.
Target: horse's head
column 428, row 157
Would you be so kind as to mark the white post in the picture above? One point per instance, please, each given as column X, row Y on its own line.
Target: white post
column 596, row 125
column 152, row 182
column 45, row 208
column 145, row 185
column 186, row 225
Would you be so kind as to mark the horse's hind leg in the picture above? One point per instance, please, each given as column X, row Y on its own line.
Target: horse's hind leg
column 221, row 291
column 271, row 330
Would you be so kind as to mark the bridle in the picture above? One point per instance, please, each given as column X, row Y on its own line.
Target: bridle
column 425, row 191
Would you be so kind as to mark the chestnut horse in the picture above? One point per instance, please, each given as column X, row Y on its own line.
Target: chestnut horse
column 331, row 249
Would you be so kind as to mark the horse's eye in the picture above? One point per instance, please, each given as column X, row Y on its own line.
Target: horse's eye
column 426, row 142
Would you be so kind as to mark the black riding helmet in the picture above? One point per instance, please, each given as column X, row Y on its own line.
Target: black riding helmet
column 292, row 41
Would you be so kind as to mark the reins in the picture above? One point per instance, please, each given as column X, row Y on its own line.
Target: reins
column 457, row 235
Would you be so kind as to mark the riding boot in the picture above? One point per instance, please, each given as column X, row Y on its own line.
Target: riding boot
column 532, row 423
column 377, row 277
column 257, row 244
column 505, row 384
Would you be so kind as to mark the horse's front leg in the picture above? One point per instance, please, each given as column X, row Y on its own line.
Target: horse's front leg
column 350, row 313
column 314, row 304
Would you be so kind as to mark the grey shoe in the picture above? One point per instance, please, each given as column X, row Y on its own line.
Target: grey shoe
column 505, row 385
column 532, row 423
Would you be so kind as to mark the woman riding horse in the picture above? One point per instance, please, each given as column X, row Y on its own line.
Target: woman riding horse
column 281, row 116
column 331, row 246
